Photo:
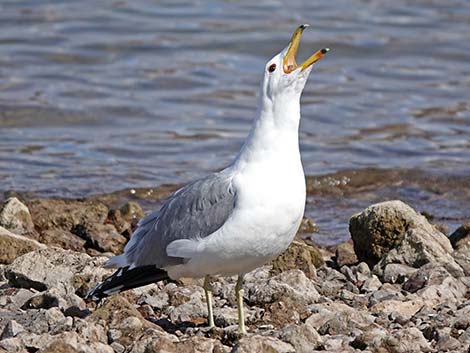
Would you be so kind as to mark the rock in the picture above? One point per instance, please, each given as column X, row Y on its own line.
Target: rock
column 301, row 256
column 261, row 344
column 15, row 298
column 304, row 338
column 40, row 321
column 67, row 342
column 449, row 289
column 397, row 273
column 12, row 329
column 362, row 272
column 345, row 255
column 370, row 339
column 462, row 257
column 186, row 303
column 406, row 308
column 152, row 341
column 131, row 212
column 12, row 345
column 380, row 228
column 371, row 284
column 155, row 295
column 386, row 292
column 336, row 318
column 121, row 316
column 330, row 281
column 15, row 217
column 13, row 246
column 103, row 237
column 393, row 233
column 435, row 284
column 65, row 270
column 43, row 300
column 307, row 226
column 62, row 239
column 285, row 297
column 198, row 344
column 66, row 214
column 408, row 340
column 83, row 218
column 460, row 240
column 461, row 236
column 462, row 318
column 447, row 343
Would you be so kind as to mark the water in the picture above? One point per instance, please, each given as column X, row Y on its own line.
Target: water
column 98, row 97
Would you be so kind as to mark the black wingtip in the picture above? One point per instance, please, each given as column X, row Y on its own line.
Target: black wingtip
column 124, row 279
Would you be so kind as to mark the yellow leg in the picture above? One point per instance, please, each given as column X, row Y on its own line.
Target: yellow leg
column 208, row 291
column 239, row 292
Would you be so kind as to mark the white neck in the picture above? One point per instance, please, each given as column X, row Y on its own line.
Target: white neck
column 274, row 131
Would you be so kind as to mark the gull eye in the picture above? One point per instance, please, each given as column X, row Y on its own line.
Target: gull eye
column 272, row 68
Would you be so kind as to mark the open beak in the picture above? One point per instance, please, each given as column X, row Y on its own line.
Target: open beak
column 289, row 63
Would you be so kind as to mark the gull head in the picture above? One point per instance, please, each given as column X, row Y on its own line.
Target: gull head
column 283, row 76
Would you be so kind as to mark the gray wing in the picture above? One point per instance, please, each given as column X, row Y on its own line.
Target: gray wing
column 195, row 211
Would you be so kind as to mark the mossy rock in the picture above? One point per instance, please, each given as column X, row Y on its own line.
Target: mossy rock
column 298, row 255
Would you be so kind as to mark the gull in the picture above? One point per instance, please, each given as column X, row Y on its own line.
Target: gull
column 237, row 219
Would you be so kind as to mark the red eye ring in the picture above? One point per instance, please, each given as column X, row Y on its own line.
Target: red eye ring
column 272, row 68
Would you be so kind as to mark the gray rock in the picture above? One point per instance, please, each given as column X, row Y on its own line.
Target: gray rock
column 393, row 233
column 64, row 270
column 397, row 273
column 405, row 308
column 464, row 338
column 408, row 340
column 338, row 344
column 261, row 344
column 201, row 345
column 63, row 239
column 155, row 295
column 345, row 255
column 285, row 297
column 447, row 343
column 12, row 329
column 304, row 338
column 152, row 341
column 362, row 271
column 13, row 246
column 380, row 228
column 293, row 284
column 371, row 284
column 65, row 342
column 386, row 292
column 449, row 289
column 420, row 247
column 461, row 236
column 15, row 217
column 330, row 281
column 16, row 298
column 117, row 313
column 103, row 237
column 336, row 318
column 186, row 303
column 12, row 345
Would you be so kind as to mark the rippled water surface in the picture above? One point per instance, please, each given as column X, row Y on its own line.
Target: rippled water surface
column 101, row 96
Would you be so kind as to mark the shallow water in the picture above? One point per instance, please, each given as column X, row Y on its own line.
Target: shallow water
column 101, row 97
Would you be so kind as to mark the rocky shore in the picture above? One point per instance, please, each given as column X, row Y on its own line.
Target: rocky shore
column 400, row 285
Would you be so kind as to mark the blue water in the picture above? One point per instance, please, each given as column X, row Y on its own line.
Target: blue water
column 101, row 96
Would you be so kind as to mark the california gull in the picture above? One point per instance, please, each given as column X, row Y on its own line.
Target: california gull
column 235, row 220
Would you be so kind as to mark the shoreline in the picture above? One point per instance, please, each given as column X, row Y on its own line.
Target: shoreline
column 381, row 292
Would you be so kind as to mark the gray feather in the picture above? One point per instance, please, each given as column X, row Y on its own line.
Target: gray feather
column 194, row 211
